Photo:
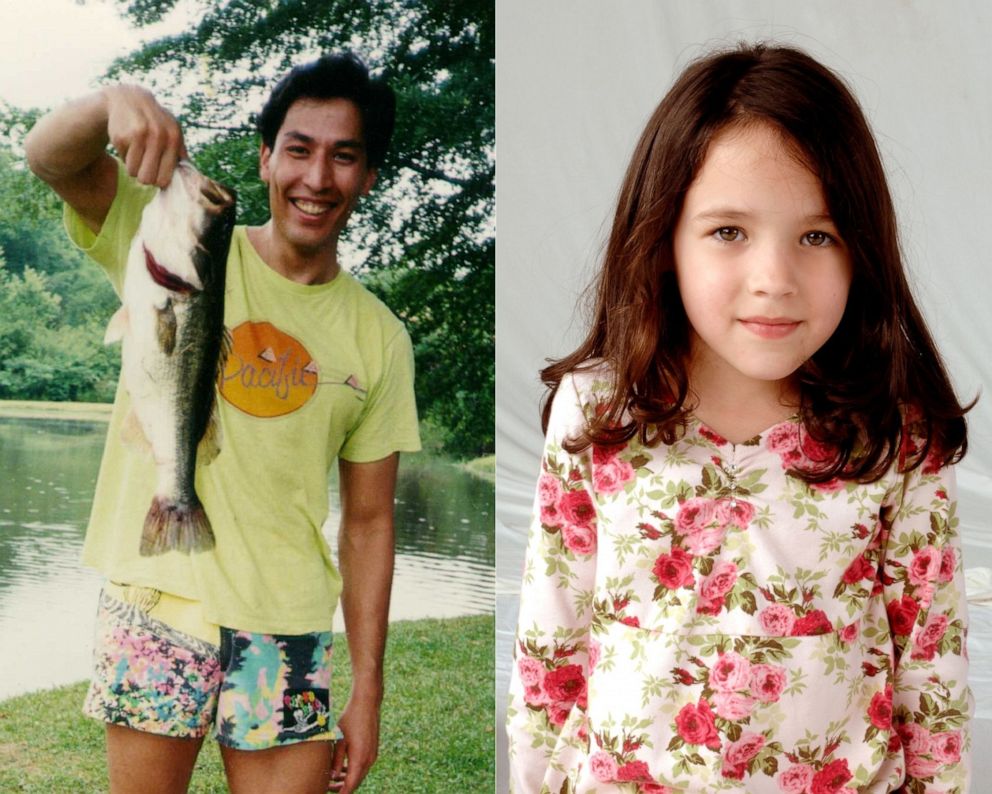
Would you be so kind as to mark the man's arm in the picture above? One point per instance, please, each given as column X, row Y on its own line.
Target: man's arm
column 365, row 552
column 67, row 148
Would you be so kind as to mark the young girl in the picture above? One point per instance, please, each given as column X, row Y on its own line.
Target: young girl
column 744, row 571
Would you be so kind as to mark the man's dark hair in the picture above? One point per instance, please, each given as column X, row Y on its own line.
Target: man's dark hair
column 335, row 76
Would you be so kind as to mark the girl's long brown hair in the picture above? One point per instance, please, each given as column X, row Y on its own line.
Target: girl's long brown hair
column 880, row 361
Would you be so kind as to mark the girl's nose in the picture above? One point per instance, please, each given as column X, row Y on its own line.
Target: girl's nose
column 771, row 271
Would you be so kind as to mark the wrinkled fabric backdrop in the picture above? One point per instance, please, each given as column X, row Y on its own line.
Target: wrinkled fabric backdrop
column 577, row 80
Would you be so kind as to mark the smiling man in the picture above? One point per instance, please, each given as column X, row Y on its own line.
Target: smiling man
column 236, row 640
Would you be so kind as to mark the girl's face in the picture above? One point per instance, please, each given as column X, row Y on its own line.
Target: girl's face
column 761, row 269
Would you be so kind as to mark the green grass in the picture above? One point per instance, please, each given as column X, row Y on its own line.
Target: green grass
column 39, row 409
column 437, row 722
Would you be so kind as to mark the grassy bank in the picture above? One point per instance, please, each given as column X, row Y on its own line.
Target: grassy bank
column 38, row 409
column 484, row 467
column 437, row 721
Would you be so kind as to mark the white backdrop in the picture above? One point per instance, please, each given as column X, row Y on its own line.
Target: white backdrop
column 577, row 80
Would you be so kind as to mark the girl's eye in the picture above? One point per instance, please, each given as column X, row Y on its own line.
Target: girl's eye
column 817, row 239
column 729, row 234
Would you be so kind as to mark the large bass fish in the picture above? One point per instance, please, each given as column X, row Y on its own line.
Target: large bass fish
column 171, row 323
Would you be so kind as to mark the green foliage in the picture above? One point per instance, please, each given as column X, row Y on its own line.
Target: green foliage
column 425, row 237
column 53, row 304
column 41, row 356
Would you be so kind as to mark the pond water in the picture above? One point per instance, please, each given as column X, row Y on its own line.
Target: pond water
column 445, row 553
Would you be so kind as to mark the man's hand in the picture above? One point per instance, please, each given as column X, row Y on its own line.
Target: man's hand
column 357, row 751
column 145, row 134
column 67, row 148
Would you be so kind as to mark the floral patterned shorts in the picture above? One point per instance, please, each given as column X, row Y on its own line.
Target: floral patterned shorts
column 258, row 690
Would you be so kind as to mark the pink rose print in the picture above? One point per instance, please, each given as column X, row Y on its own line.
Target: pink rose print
column 777, row 620
column 783, row 438
column 633, row 771
column 565, row 683
column 708, row 434
column 602, row 456
column 796, row 779
column 948, row 564
column 531, row 671
column 577, row 508
column 933, row 632
column 816, row 622
column 831, row 779
column 915, row 738
column 734, row 512
column 858, row 570
column 744, row 749
column 581, row 540
column 925, row 566
column 902, row 615
column 654, row 788
column 548, row 489
column 695, row 725
column 945, row 747
column 536, row 696
column 603, row 767
column 594, row 650
column 767, row 682
column 849, row 633
column 705, row 541
column 674, row 570
column 816, row 452
column 918, row 766
column 730, row 673
column 550, row 516
column 880, row 709
column 610, row 478
column 732, row 705
column 694, row 515
column 558, row 712
column 721, row 581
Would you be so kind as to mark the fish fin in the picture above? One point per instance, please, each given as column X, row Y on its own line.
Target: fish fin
column 117, row 326
column 210, row 444
column 175, row 526
column 165, row 327
column 133, row 434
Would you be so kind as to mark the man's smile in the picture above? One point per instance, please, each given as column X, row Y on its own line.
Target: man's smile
column 311, row 207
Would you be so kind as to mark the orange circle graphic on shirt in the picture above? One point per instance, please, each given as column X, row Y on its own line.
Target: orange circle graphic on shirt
column 268, row 372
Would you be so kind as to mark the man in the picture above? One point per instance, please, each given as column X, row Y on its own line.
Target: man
column 240, row 635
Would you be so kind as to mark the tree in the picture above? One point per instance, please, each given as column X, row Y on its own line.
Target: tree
column 427, row 236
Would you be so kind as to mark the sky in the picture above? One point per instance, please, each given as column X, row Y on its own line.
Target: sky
column 54, row 50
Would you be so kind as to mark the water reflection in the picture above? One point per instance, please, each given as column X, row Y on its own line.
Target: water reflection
column 445, row 563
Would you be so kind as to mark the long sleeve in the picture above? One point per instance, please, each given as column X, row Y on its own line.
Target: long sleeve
column 551, row 651
column 924, row 595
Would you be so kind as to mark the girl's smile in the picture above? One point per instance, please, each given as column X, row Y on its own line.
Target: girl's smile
column 762, row 270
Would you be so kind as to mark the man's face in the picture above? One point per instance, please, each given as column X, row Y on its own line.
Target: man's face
column 316, row 172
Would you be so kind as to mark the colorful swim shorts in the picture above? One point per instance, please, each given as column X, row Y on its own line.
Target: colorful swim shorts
column 160, row 668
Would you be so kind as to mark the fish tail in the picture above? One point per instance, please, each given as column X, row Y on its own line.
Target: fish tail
column 175, row 526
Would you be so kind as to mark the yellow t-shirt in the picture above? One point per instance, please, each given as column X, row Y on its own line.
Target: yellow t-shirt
column 316, row 373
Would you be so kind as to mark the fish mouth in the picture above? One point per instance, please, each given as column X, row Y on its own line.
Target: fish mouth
column 216, row 197
column 212, row 196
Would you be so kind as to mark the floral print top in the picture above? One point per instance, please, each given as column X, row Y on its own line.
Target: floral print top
column 694, row 618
